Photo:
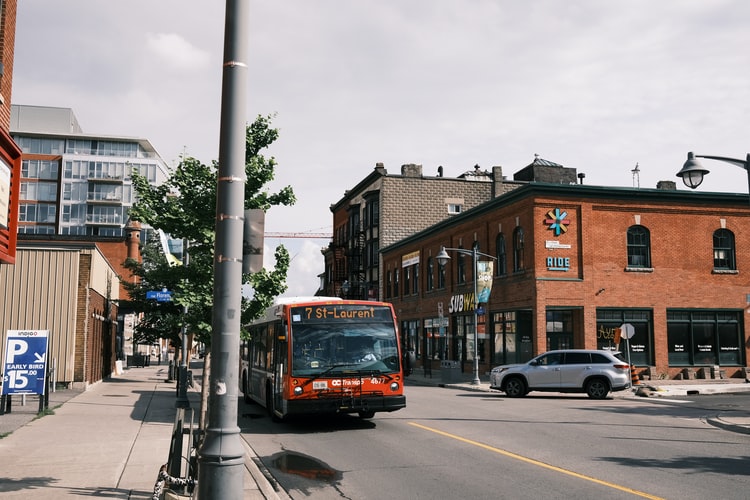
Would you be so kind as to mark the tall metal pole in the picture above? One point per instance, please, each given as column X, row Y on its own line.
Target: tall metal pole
column 475, row 381
column 221, row 457
column 182, row 383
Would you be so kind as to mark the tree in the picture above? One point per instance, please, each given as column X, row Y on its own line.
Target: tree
column 184, row 208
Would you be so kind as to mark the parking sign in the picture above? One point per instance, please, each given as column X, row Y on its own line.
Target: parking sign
column 25, row 362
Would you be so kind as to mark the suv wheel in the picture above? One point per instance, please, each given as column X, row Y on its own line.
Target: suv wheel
column 597, row 388
column 515, row 387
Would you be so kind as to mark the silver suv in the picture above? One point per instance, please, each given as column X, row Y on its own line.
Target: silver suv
column 572, row 370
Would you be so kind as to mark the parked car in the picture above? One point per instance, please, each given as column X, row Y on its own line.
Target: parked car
column 572, row 370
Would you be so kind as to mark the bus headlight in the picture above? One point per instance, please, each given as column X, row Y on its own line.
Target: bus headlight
column 297, row 391
column 394, row 386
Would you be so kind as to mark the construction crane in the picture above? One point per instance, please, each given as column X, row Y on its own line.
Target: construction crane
column 318, row 236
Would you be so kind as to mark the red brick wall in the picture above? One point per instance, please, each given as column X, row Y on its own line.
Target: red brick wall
column 7, row 49
column 681, row 251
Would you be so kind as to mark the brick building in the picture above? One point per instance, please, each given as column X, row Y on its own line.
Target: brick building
column 10, row 154
column 384, row 208
column 572, row 266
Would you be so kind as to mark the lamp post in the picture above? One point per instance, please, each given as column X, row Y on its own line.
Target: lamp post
column 693, row 171
column 443, row 258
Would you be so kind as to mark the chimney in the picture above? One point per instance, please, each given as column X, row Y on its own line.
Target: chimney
column 666, row 185
column 411, row 170
column 497, row 181
column 133, row 240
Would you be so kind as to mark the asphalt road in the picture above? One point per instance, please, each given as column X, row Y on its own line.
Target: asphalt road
column 456, row 444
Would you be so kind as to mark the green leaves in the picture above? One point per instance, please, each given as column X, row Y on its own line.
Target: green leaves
column 184, row 207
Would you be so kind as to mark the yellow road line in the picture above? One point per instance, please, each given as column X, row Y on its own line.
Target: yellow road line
column 538, row 463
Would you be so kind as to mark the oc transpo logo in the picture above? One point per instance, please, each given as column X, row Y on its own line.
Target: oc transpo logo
column 557, row 221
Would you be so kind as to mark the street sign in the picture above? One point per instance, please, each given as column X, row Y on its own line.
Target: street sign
column 25, row 362
column 159, row 296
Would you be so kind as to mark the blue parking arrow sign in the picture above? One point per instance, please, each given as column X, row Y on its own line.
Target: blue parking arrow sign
column 25, row 362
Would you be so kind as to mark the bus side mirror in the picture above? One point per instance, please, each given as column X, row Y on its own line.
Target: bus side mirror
column 410, row 360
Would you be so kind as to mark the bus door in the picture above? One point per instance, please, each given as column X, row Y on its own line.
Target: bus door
column 280, row 368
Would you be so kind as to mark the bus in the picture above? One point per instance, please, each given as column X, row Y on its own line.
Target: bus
column 323, row 355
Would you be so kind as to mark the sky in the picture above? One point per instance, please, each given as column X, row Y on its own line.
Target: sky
column 597, row 86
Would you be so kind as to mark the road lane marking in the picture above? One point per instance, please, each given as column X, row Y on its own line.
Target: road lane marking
column 538, row 463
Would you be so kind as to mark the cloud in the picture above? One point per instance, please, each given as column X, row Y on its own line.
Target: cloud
column 178, row 52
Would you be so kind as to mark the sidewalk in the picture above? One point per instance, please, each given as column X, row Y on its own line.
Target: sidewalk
column 735, row 421
column 108, row 441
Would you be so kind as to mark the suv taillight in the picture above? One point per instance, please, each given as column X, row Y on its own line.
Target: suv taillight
column 622, row 367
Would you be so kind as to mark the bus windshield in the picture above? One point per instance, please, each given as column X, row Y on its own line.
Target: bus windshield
column 343, row 339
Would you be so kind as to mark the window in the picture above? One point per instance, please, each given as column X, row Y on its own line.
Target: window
column 518, row 249
column 42, row 212
column 415, row 280
column 388, row 284
column 39, row 191
column 454, row 208
column 724, row 255
column 39, row 169
column 608, row 323
column 512, row 334
column 441, row 276
column 372, row 213
column 461, row 265
column 430, row 274
column 559, row 329
column 577, row 358
column 639, row 247
column 502, row 260
column 34, row 145
column 407, row 280
column 704, row 337
column 396, row 283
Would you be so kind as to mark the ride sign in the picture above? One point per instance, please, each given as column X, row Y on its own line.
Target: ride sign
column 25, row 362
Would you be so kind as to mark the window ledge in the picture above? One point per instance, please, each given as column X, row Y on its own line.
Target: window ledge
column 639, row 269
column 725, row 271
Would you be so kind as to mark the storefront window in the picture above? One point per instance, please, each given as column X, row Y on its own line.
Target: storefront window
column 411, row 337
column 704, row 337
column 435, row 335
column 608, row 325
column 559, row 329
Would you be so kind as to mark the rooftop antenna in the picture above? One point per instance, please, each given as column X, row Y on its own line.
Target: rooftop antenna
column 636, row 176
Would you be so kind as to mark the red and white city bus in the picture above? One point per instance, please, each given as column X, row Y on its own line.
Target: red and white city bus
column 320, row 355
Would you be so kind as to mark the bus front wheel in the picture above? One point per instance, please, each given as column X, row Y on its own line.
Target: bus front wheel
column 366, row 414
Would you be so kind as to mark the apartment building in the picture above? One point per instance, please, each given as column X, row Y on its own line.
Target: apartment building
column 74, row 183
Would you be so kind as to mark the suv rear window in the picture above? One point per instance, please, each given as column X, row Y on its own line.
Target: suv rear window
column 600, row 358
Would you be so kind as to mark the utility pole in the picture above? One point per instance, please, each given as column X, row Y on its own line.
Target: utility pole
column 221, row 456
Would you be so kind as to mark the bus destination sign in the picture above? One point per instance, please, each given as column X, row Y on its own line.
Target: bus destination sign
column 333, row 313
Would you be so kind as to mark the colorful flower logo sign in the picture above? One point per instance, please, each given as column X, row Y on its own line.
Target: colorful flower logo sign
column 557, row 221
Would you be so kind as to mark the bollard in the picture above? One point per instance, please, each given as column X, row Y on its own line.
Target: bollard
column 169, row 371
column 634, row 380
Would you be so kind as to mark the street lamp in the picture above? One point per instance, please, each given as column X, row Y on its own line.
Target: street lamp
column 693, row 171
column 443, row 258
